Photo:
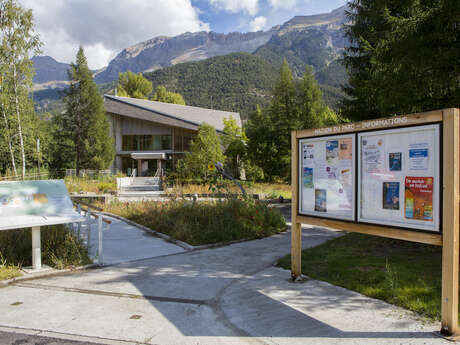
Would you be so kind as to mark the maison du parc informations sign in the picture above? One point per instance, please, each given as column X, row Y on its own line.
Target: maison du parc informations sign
column 395, row 177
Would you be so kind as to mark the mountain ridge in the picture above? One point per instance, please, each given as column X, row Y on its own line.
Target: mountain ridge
column 163, row 51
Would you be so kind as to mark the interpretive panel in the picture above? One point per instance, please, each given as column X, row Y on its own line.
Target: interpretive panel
column 327, row 176
column 399, row 177
column 35, row 203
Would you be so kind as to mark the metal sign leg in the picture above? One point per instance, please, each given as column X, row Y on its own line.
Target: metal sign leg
column 99, row 249
column 36, row 249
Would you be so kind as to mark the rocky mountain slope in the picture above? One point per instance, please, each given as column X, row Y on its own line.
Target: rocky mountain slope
column 315, row 39
column 161, row 52
column 48, row 71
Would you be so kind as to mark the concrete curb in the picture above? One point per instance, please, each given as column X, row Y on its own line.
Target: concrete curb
column 52, row 273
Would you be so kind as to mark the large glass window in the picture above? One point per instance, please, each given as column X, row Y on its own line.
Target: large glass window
column 183, row 139
column 145, row 142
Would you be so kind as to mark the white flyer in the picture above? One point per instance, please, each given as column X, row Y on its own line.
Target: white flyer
column 418, row 156
column 372, row 155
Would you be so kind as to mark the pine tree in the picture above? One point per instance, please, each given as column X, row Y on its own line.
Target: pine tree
column 133, row 85
column 295, row 105
column 165, row 96
column 402, row 57
column 84, row 124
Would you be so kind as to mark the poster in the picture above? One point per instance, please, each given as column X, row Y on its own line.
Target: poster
column 345, row 149
column 320, row 200
column 327, row 176
column 394, row 163
column 391, row 195
column 399, row 177
column 307, row 177
column 308, row 154
column 372, row 155
column 419, row 198
column 332, row 151
column 418, row 156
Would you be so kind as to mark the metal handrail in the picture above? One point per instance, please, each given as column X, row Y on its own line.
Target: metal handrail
column 100, row 218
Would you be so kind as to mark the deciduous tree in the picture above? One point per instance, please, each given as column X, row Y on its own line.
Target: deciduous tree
column 163, row 95
column 18, row 42
column 205, row 149
column 133, row 85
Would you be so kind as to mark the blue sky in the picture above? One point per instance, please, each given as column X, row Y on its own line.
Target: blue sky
column 222, row 17
column 105, row 27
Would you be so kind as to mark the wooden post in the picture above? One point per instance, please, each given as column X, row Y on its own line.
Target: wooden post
column 296, row 228
column 450, row 220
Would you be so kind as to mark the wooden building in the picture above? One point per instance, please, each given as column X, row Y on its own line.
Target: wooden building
column 154, row 135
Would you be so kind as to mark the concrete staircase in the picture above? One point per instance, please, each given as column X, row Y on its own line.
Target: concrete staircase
column 141, row 187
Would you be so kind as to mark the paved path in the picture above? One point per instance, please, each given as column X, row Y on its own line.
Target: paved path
column 227, row 295
column 123, row 242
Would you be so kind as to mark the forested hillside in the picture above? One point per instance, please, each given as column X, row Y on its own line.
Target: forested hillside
column 234, row 82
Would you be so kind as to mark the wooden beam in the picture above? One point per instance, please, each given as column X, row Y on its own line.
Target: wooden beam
column 383, row 123
column 296, row 229
column 376, row 230
column 450, row 219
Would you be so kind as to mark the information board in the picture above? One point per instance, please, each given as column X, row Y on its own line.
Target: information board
column 399, row 177
column 35, row 203
column 327, row 176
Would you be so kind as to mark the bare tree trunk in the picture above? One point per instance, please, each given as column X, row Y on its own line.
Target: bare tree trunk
column 7, row 129
column 18, row 115
column 8, row 138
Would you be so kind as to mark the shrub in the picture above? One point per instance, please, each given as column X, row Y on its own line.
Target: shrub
column 199, row 223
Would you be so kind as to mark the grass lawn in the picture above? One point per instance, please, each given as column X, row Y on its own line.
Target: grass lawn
column 98, row 185
column 9, row 272
column 402, row 273
column 204, row 222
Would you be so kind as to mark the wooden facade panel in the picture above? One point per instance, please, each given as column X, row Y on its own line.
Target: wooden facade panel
column 131, row 126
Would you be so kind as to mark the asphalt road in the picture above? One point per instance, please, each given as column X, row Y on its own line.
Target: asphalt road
column 8, row 338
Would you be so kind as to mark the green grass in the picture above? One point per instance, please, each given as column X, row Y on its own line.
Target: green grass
column 204, row 222
column 9, row 272
column 60, row 249
column 402, row 273
column 270, row 190
column 99, row 185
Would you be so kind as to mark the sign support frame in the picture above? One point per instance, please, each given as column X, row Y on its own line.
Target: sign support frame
column 448, row 238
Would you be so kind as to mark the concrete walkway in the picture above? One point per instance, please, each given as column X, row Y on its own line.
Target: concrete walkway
column 123, row 242
column 227, row 295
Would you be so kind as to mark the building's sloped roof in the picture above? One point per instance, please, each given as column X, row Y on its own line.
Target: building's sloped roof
column 192, row 115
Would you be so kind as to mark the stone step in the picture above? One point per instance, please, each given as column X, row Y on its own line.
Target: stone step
column 140, row 189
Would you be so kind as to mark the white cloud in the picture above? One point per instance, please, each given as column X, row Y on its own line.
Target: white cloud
column 282, row 4
column 104, row 27
column 257, row 23
column 235, row 6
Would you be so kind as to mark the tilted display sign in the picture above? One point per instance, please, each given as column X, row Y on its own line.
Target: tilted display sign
column 400, row 179
column 32, row 204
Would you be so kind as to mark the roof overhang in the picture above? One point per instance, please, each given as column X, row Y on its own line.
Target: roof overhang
column 148, row 155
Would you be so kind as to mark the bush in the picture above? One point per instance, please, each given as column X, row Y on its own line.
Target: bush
column 205, row 222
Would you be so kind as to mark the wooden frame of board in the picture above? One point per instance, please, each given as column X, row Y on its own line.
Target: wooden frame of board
column 448, row 237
